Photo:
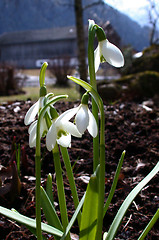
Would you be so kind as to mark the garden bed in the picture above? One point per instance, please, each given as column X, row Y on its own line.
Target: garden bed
column 130, row 126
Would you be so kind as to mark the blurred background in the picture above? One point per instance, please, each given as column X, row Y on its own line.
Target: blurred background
column 56, row 31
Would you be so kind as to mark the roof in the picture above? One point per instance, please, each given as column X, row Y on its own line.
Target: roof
column 51, row 34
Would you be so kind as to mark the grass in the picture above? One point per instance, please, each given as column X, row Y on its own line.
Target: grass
column 33, row 93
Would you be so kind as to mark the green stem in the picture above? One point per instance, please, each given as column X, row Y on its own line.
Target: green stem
column 96, row 147
column 101, row 175
column 59, row 179
column 38, row 183
column 37, row 197
column 71, row 180
column 100, row 105
column 93, row 83
column 60, row 188
column 38, row 167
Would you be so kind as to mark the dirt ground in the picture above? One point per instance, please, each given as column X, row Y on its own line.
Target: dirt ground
column 130, row 125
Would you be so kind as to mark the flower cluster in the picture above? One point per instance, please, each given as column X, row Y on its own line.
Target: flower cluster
column 61, row 127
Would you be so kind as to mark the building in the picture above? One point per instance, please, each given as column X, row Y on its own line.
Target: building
column 26, row 49
column 29, row 49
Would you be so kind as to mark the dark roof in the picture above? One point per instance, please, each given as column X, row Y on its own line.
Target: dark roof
column 38, row 35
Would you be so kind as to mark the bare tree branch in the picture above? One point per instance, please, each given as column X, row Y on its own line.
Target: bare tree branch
column 153, row 14
column 93, row 4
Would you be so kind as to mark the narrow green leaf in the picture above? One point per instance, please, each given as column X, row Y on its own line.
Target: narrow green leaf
column 112, row 190
column 32, row 230
column 149, row 226
column 90, row 210
column 121, row 212
column 29, row 222
column 73, row 218
column 70, row 176
column 90, row 89
column 49, row 210
column 49, row 188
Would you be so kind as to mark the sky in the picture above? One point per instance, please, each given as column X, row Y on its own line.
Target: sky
column 136, row 9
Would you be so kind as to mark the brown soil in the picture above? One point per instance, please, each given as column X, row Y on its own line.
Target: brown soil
column 129, row 126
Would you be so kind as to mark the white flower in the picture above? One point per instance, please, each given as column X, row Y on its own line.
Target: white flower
column 108, row 52
column 33, row 111
column 84, row 119
column 32, row 132
column 30, row 118
column 61, row 130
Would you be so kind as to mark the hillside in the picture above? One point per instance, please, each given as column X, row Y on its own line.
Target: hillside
column 17, row 15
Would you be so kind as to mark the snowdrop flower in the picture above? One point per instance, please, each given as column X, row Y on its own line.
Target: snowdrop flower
column 33, row 111
column 32, row 132
column 84, row 119
column 30, row 119
column 61, row 130
column 108, row 52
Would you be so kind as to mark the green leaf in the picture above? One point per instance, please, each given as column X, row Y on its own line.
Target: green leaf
column 73, row 218
column 29, row 222
column 121, row 212
column 90, row 89
column 90, row 210
column 32, row 230
column 49, row 210
column 112, row 190
column 149, row 226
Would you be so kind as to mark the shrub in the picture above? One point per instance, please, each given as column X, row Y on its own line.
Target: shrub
column 8, row 83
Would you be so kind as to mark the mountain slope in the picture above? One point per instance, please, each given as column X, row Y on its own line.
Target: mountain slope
column 17, row 15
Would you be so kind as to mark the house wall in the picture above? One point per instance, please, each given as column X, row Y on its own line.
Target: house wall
column 25, row 55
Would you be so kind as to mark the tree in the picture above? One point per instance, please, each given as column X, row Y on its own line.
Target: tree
column 153, row 14
column 78, row 8
column 80, row 39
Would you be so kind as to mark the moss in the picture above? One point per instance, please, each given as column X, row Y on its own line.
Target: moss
column 148, row 62
column 146, row 84
column 151, row 49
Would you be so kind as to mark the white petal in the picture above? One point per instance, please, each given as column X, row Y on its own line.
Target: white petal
column 92, row 126
column 71, row 128
column 41, row 102
column 112, row 54
column 31, row 113
column 82, row 118
column 32, row 126
column 64, row 141
column 32, row 134
column 97, row 58
column 67, row 115
column 43, row 127
column 51, row 137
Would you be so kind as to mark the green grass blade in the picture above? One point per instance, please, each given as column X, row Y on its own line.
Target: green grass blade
column 49, row 188
column 73, row 217
column 70, row 176
column 121, row 212
column 112, row 190
column 88, row 225
column 29, row 222
column 149, row 226
column 49, row 211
